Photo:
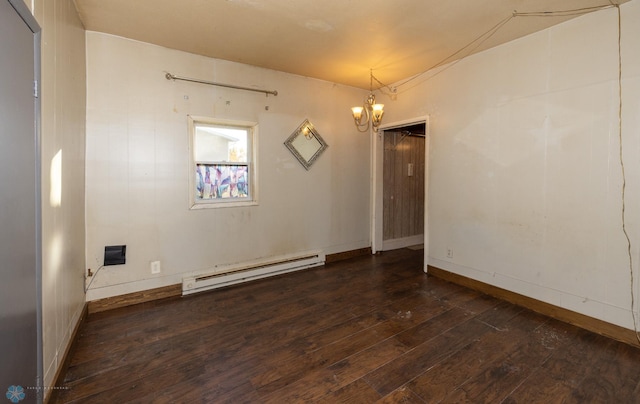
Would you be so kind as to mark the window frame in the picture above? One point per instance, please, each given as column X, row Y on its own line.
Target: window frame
column 252, row 147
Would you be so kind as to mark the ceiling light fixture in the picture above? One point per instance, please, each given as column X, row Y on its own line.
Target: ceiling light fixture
column 372, row 111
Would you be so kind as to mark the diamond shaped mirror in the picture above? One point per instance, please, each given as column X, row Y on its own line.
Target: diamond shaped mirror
column 306, row 144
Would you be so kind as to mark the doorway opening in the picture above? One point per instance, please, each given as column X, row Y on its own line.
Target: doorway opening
column 378, row 184
column 403, row 186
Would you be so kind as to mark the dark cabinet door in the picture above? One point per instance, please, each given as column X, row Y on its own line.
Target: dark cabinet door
column 20, row 339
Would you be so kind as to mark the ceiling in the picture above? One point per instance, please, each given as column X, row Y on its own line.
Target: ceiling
column 334, row 40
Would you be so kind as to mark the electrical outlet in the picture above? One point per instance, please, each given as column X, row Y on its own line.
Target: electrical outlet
column 449, row 252
column 155, row 267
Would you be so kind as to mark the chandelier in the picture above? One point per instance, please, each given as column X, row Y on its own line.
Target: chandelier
column 372, row 112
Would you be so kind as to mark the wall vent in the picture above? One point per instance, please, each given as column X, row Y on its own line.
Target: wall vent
column 115, row 255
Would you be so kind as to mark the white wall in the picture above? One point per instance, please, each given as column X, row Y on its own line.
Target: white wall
column 525, row 178
column 137, row 166
column 63, row 129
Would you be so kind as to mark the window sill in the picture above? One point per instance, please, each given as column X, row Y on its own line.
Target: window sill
column 219, row 205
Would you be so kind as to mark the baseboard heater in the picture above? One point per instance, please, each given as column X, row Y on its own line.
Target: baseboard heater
column 232, row 274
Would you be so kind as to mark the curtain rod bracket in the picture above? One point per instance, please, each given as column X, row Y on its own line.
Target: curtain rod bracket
column 170, row 76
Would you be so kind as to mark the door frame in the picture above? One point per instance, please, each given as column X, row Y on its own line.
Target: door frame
column 377, row 183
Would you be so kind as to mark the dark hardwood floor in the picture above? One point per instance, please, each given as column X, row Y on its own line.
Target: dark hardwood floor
column 364, row 330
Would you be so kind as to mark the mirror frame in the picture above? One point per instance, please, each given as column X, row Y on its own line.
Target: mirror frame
column 306, row 144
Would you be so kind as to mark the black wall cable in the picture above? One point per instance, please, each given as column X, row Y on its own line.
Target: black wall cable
column 92, row 278
column 482, row 38
column 624, row 177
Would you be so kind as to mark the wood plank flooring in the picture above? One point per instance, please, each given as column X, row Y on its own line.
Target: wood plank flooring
column 364, row 330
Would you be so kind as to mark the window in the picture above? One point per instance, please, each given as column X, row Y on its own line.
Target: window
column 222, row 163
